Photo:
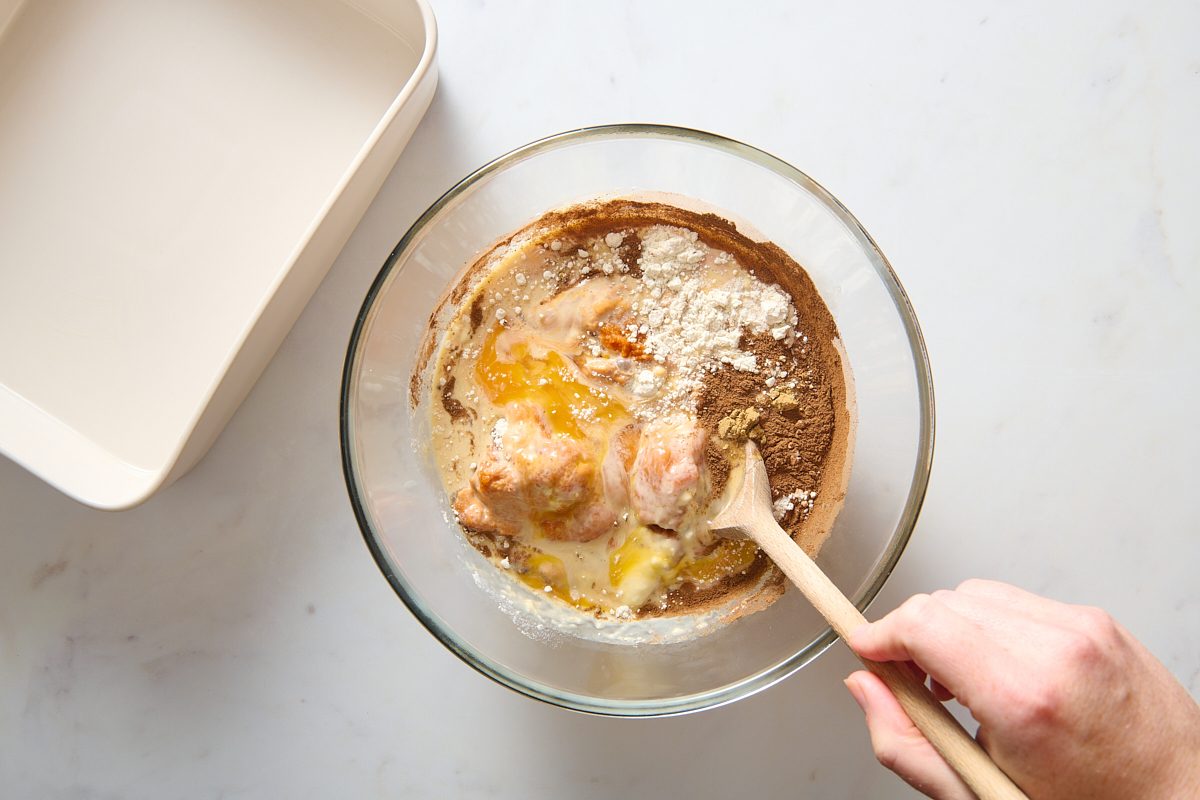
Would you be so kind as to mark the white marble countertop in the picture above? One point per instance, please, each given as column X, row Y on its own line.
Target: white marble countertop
column 1031, row 172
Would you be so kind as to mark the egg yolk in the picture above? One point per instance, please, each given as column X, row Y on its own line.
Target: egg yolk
column 548, row 380
column 639, row 558
column 546, row 573
column 729, row 557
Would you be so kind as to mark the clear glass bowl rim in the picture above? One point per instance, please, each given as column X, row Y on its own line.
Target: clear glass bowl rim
column 754, row 683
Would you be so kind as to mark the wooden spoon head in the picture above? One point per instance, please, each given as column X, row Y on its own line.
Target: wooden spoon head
column 751, row 502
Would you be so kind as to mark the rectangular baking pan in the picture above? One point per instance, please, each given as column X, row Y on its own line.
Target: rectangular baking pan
column 175, row 180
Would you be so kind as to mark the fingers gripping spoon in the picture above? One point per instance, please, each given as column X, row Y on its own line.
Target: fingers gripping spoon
column 749, row 513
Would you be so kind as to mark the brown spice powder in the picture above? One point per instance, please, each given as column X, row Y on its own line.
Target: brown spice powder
column 453, row 407
column 476, row 312
column 718, row 467
column 630, row 251
column 795, row 439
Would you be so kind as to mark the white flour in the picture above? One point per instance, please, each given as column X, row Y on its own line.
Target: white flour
column 697, row 325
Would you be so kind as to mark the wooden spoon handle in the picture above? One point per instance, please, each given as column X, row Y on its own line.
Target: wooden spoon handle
column 961, row 751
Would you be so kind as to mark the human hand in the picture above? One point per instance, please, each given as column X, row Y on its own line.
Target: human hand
column 1069, row 704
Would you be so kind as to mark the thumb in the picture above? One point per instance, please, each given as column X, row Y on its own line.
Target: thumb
column 898, row 744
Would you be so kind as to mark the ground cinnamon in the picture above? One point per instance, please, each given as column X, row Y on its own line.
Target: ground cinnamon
column 795, row 433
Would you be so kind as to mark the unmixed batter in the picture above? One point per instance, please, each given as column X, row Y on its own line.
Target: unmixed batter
column 592, row 392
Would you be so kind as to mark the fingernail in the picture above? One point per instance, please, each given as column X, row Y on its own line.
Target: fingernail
column 856, row 693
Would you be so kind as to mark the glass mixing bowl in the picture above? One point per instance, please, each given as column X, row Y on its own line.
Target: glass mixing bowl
column 402, row 507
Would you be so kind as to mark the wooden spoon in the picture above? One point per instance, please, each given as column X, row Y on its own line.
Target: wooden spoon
column 749, row 513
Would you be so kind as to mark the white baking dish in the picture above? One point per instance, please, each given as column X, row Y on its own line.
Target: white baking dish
column 175, row 180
